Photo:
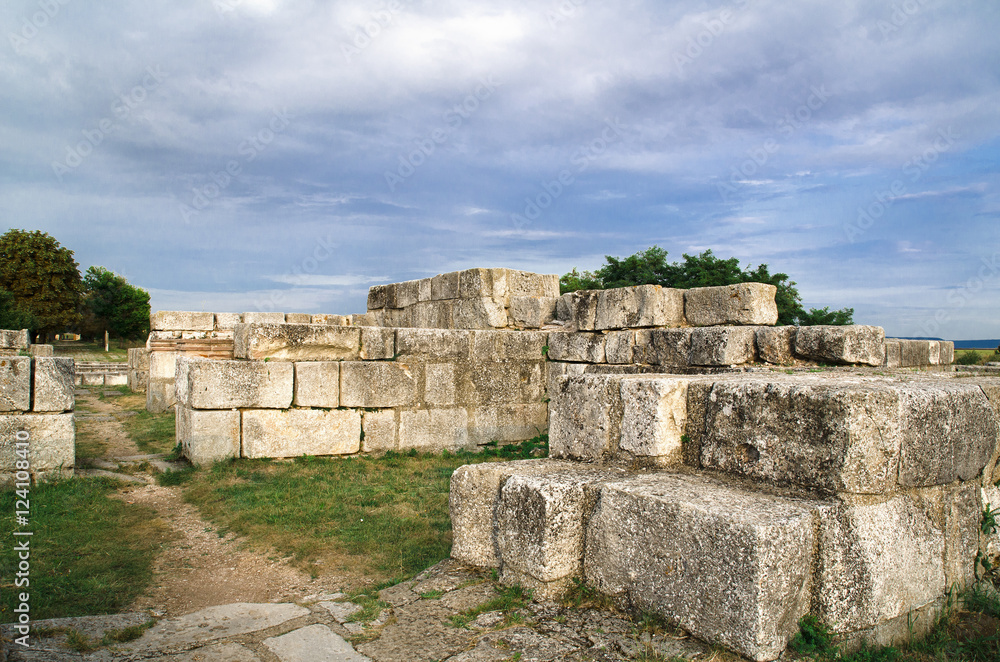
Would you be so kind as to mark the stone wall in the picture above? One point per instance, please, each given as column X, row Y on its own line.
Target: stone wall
column 101, row 373
column 138, row 369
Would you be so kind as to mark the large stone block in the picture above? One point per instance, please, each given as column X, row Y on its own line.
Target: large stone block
column 581, row 308
column 730, row 566
column 41, row 350
column 14, row 339
column 297, row 342
column 333, row 320
column 741, row 304
column 298, row 318
column 162, row 365
column 722, row 345
column 532, row 312
column 204, row 384
column 666, row 347
column 433, row 344
column 377, row 297
column 619, row 347
column 841, row 344
column 507, row 423
column 377, row 343
column 175, row 320
column 439, row 383
column 434, row 429
column 580, row 347
column 258, row 317
column 876, row 561
column 508, row 346
column 956, row 511
column 483, row 283
column 160, row 395
column 654, row 418
column 433, row 315
column 528, row 284
column 51, row 442
column 585, row 417
column 54, row 378
column 893, row 354
column 227, row 321
column 775, row 344
column 208, row 436
column 639, row 306
column 138, row 358
column 377, row 384
column 407, row 293
column 480, row 313
column 317, row 384
column 15, row 383
column 914, row 353
column 947, row 352
column 472, row 499
column 500, row 382
column 555, row 370
column 379, row 431
column 297, row 432
column 444, row 286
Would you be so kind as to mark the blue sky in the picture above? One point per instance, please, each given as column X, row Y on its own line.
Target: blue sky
column 246, row 155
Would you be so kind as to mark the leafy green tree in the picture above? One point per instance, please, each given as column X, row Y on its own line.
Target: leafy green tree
column 12, row 317
column 43, row 278
column 650, row 267
column 117, row 305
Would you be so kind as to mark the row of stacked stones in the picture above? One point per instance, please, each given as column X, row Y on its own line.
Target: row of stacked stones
column 36, row 406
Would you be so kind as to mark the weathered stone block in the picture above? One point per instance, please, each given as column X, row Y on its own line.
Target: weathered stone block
column 297, row 432
column 333, row 320
column 583, row 308
column 162, row 365
column 377, row 297
column 137, row 380
column 391, row 300
column 841, row 344
column 377, row 343
column 577, row 346
column 297, row 342
column 947, row 352
column 481, row 313
column 434, row 429
column 298, row 318
column 15, row 383
column 640, row 306
column 208, row 436
column 508, row 346
column 51, row 441
column 424, row 289
column 14, row 339
column 585, row 417
column 532, row 312
column 507, row 423
column 138, row 358
column 654, row 418
column 550, row 285
column 483, row 283
column 667, row 347
column 914, row 353
column 775, row 344
column 264, row 318
column 527, row 284
column 500, row 382
column 722, row 345
column 876, row 561
column 41, row 350
column 433, row 344
column 115, row 380
column 374, row 318
column 433, row 315
column 956, row 511
column 317, row 384
column 554, row 370
column 203, row 384
column 439, row 383
column 933, row 352
column 407, row 293
column 379, row 431
column 893, row 354
column 160, row 395
column 93, row 379
column 377, row 384
column 227, row 321
column 54, row 379
column 444, row 286
column 618, row 347
column 740, row 304
column 175, row 320
column 727, row 565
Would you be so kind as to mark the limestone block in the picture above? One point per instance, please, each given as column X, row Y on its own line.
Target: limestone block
column 728, row 565
column 893, row 354
column 373, row 318
column 439, row 383
column 640, row 306
column 332, row 320
column 444, row 286
column 654, row 418
column 500, row 382
column 433, row 315
column 297, row 342
column 914, row 353
column 162, row 365
column 204, row 384
column 377, row 384
column 434, row 429
column 946, row 352
column 480, row 313
column 532, row 312
column 775, row 344
column 583, row 308
column 317, row 384
column 208, row 436
column 263, row 318
column 841, row 344
column 115, row 380
column 614, row 307
column 433, row 344
column 227, row 321
column 390, row 296
column 619, row 347
column 554, row 370
column 564, row 307
column 378, row 431
column 377, row 297
column 407, row 293
column 933, row 352
column 507, row 423
column 297, row 432
column 41, row 350
column 525, row 284
column 93, row 379
column 195, row 335
column 577, row 346
column 424, row 290
column 740, row 304
column 667, row 347
column 163, row 335
column 160, row 395
column 138, row 358
column 298, row 318
column 14, row 339
column 174, row 320
column 377, row 343
column 137, row 380
column 51, row 441
column 550, row 285
column 472, row 499
column 15, row 383
column 876, row 561
column 54, row 379
column 483, row 283
column 722, row 345
column 956, row 511
column 585, row 417
column 508, row 346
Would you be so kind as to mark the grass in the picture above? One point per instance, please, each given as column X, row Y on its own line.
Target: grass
column 509, row 600
column 93, row 351
column 975, row 356
column 152, row 433
column 91, row 554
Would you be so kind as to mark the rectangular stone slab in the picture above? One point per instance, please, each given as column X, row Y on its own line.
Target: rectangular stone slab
column 741, row 304
column 205, row 384
column 54, row 379
column 15, row 383
column 177, row 320
column 378, row 383
column 297, row 342
column 297, row 432
column 208, row 436
column 857, row 344
column 52, row 441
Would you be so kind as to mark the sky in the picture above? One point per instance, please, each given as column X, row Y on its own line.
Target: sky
column 244, row 155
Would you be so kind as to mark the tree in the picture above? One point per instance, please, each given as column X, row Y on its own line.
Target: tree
column 119, row 307
column 43, row 278
column 12, row 317
column 650, row 267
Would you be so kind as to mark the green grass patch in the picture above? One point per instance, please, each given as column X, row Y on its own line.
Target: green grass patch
column 508, row 601
column 90, row 554
column 975, row 356
column 92, row 351
column 177, row 477
column 88, row 444
column 152, row 433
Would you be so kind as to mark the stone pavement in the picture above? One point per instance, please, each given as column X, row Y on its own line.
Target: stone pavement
column 414, row 626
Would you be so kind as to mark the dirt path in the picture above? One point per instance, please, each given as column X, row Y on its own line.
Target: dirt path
column 198, row 568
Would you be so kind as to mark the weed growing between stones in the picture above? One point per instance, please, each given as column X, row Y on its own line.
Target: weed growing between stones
column 582, row 595
column 509, row 601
